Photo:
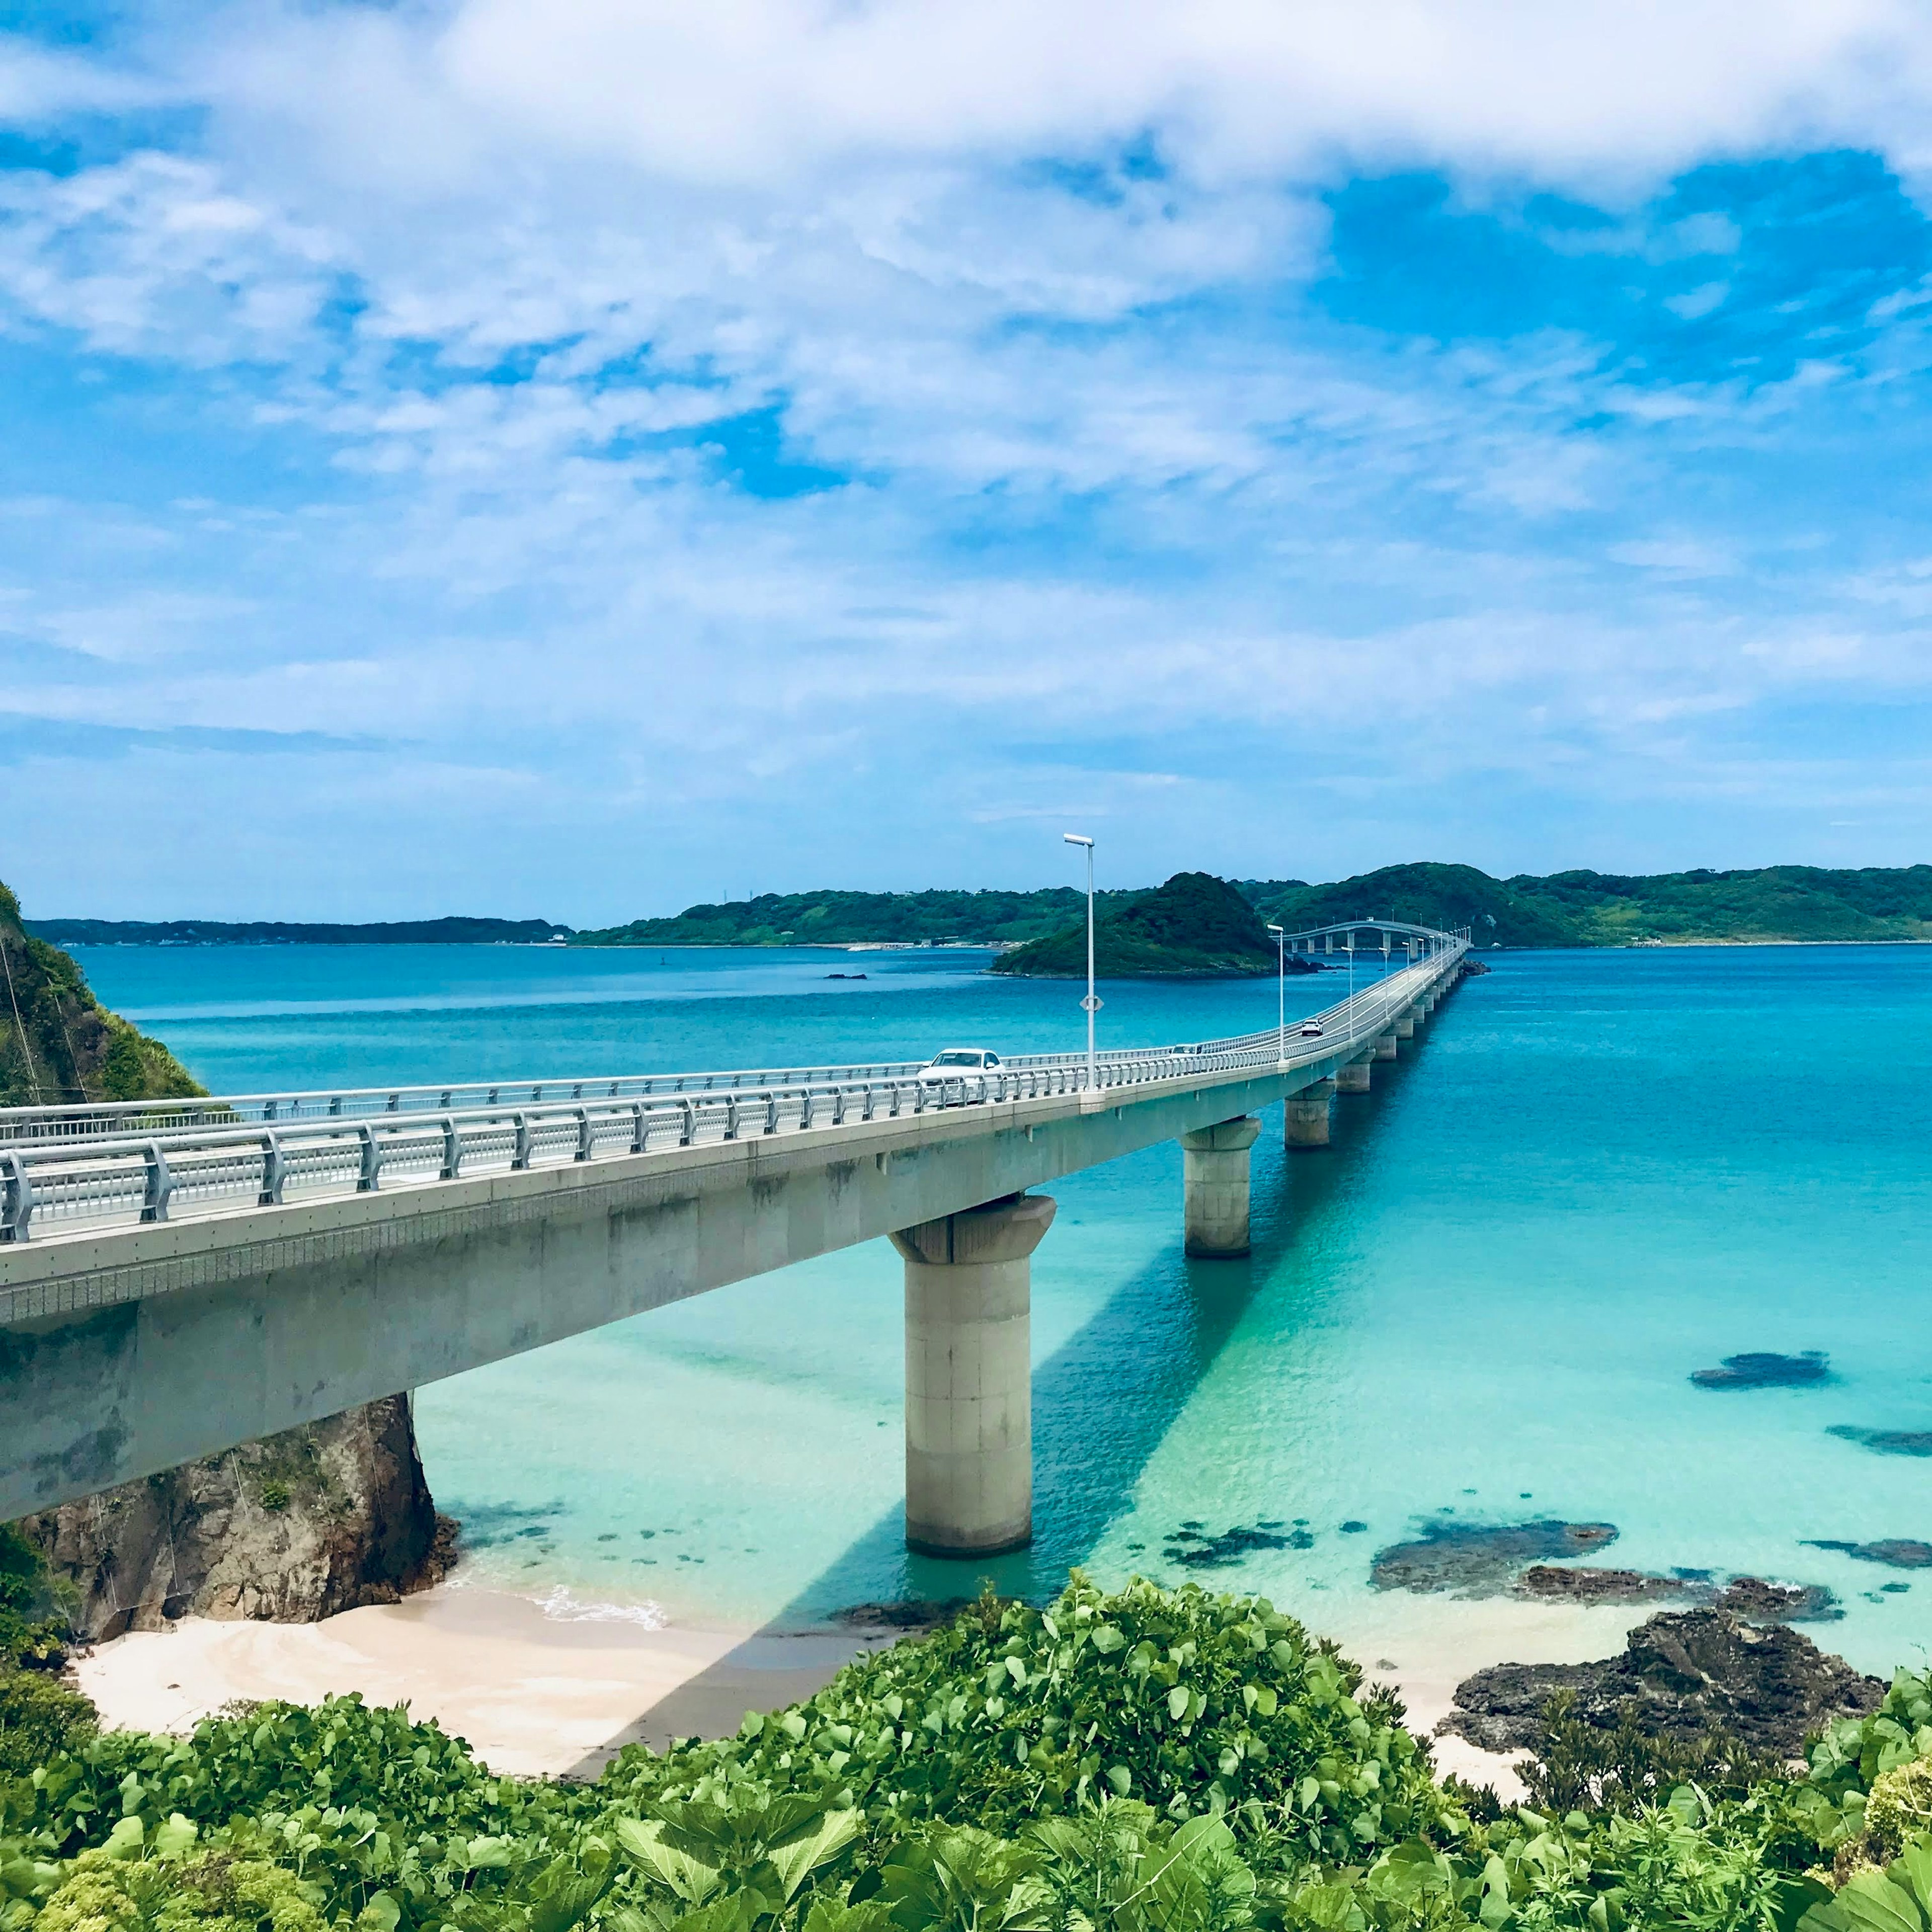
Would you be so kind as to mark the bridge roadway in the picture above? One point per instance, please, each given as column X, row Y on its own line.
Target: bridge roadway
column 217, row 1271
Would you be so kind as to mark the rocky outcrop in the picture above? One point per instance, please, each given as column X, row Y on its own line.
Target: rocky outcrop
column 1685, row 1673
column 320, row 1519
column 58, row 1042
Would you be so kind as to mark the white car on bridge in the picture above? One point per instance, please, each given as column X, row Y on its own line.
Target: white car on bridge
column 970, row 1067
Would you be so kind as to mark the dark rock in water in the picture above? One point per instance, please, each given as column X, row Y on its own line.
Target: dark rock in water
column 1897, row 1552
column 1759, row 1371
column 1758, row 1602
column 1352, row 1528
column 1598, row 1586
column 288, row 1530
column 912, row 1613
column 1473, row 968
column 1685, row 1671
column 1480, row 1559
column 1887, row 1441
column 1188, row 1546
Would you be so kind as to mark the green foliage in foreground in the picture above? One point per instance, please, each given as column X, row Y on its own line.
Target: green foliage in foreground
column 1149, row 1760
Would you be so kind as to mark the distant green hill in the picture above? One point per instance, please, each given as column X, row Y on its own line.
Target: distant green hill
column 847, row 919
column 1444, row 896
column 1195, row 926
column 58, row 1042
column 283, row 932
column 1779, row 902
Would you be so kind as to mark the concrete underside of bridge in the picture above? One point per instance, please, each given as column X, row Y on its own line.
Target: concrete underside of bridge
column 131, row 1351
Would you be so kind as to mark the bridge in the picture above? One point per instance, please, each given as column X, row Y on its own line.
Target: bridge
column 178, row 1277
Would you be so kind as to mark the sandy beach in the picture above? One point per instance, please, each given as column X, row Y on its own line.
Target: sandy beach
column 554, row 1691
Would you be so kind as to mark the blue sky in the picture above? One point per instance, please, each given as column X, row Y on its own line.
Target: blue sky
column 583, row 457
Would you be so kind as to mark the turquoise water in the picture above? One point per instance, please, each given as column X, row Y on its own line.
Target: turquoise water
column 1602, row 1171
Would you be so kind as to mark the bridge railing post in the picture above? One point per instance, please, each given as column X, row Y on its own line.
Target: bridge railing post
column 160, row 1183
column 18, row 1210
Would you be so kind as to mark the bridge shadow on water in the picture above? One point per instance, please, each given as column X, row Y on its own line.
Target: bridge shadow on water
column 1102, row 1403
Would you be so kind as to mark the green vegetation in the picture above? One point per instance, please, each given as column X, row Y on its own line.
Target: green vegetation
column 58, row 1042
column 40, row 1716
column 283, row 932
column 1781, row 902
column 1149, row 1761
column 1195, row 926
column 847, row 919
column 1443, row 896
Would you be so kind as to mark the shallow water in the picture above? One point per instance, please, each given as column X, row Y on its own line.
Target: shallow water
column 1601, row 1172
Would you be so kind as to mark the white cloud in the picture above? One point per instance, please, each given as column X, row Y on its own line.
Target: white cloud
column 524, row 270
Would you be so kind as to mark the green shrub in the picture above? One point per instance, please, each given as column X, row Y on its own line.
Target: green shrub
column 1146, row 1761
column 41, row 1719
column 1186, row 1701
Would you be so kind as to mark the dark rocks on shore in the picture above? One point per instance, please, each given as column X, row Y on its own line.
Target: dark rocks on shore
column 1766, row 1371
column 1685, row 1672
column 1886, row 1441
column 912, row 1613
column 1597, row 1586
column 1481, row 1560
column 288, row 1530
column 1897, row 1552
column 1748, row 1597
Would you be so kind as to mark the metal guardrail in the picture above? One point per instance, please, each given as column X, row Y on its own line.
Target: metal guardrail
column 77, row 1170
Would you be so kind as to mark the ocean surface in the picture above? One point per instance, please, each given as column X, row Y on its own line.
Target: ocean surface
column 1599, row 1173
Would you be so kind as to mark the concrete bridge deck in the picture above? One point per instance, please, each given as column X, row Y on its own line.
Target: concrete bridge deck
column 166, row 1297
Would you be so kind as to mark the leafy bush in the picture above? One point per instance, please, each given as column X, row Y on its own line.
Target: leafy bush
column 1577, row 1765
column 1149, row 1761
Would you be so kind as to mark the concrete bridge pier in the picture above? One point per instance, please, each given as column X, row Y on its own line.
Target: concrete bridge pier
column 1353, row 1078
column 1214, row 1173
column 1385, row 1046
column 969, row 1376
column 1405, row 1027
column 1305, row 1116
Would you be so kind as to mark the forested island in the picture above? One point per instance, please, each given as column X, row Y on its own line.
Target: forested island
column 1195, row 926
column 1770, row 905
column 1789, row 903
column 286, row 932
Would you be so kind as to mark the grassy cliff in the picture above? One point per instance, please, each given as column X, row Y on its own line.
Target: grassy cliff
column 58, row 1042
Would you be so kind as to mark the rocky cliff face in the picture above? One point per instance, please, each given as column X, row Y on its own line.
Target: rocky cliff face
column 288, row 1530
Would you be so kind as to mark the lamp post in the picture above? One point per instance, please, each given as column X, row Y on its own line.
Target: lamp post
column 1090, row 1004
column 1281, row 989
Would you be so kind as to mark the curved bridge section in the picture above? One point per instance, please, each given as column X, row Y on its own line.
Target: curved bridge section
column 178, row 1278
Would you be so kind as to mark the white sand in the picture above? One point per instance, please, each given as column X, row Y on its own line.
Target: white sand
column 536, row 1693
column 532, row 1693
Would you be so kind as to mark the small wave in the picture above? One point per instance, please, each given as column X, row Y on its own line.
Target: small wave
column 562, row 1604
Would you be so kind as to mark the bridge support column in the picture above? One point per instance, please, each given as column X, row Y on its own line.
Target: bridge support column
column 1214, row 1173
column 1305, row 1116
column 1405, row 1027
column 1353, row 1078
column 1385, row 1047
column 969, row 1377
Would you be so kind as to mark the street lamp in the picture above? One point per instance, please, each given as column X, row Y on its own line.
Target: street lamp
column 1090, row 1004
column 1281, row 987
